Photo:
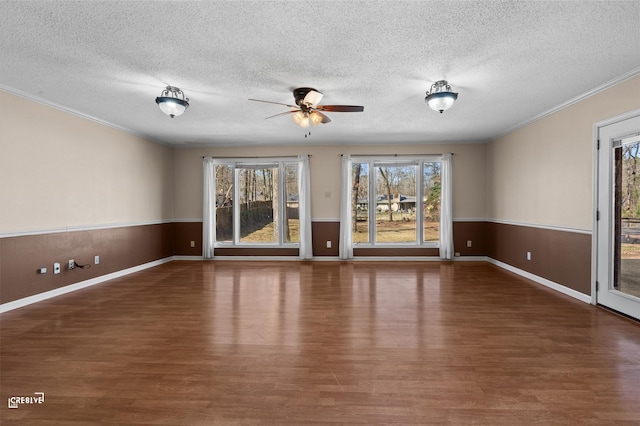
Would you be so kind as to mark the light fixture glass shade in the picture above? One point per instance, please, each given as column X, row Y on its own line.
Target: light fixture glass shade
column 172, row 106
column 313, row 98
column 441, row 101
column 315, row 117
column 301, row 119
column 441, row 97
column 170, row 102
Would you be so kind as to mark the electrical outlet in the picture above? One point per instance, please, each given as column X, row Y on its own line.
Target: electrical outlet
column 96, row 260
column 72, row 264
column 528, row 255
column 193, row 243
column 328, row 244
column 468, row 243
column 56, row 268
column 42, row 270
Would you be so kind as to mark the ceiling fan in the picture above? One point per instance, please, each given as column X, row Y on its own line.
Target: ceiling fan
column 307, row 111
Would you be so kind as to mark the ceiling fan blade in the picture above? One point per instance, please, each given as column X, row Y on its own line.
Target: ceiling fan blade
column 340, row 108
column 277, row 103
column 282, row 113
column 312, row 98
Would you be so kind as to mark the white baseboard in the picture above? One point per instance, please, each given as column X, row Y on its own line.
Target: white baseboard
column 257, row 258
column 545, row 282
column 411, row 259
column 335, row 258
column 188, row 258
column 9, row 306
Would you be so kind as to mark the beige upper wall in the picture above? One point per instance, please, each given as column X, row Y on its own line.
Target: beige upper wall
column 59, row 170
column 542, row 174
column 469, row 196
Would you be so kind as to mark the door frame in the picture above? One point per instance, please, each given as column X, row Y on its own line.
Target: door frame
column 596, row 179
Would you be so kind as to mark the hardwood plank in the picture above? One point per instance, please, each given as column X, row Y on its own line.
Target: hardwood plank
column 241, row 342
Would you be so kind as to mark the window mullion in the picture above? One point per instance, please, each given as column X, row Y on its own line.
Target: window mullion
column 373, row 206
column 236, row 205
column 282, row 196
column 420, row 203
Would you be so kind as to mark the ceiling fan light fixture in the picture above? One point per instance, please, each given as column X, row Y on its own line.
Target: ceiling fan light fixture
column 441, row 97
column 306, row 111
column 301, row 119
column 172, row 101
column 315, row 118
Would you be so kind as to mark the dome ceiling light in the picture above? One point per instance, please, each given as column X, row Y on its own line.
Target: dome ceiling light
column 441, row 97
column 172, row 101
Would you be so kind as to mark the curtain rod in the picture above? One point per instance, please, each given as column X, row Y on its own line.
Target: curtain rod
column 258, row 156
column 391, row 155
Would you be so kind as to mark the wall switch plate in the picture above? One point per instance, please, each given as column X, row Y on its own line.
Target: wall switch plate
column 56, row 268
column 96, row 260
column 72, row 264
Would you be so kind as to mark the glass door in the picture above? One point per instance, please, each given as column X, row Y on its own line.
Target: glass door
column 618, row 227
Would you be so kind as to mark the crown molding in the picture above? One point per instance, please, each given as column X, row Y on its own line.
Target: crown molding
column 45, row 102
column 631, row 74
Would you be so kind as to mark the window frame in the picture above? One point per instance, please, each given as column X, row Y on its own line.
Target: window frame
column 417, row 161
column 239, row 164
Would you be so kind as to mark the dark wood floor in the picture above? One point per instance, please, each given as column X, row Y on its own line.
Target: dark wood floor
column 203, row 343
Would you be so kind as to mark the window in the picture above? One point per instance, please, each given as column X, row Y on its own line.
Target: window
column 257, row 202
column 396, row 201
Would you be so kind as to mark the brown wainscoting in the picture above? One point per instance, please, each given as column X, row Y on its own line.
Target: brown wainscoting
column 400, row 252
column 563, row 257
column 476, row 232
column 330, row 231
column 323, row 232
column 185, row 233
column 119, row 248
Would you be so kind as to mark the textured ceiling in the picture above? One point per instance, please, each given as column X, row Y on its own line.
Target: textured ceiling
column 510, row 62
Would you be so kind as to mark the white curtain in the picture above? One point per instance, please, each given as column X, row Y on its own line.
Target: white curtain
column 346, row 240
column 208, row 207
column 446, row 210
column 304, row 209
